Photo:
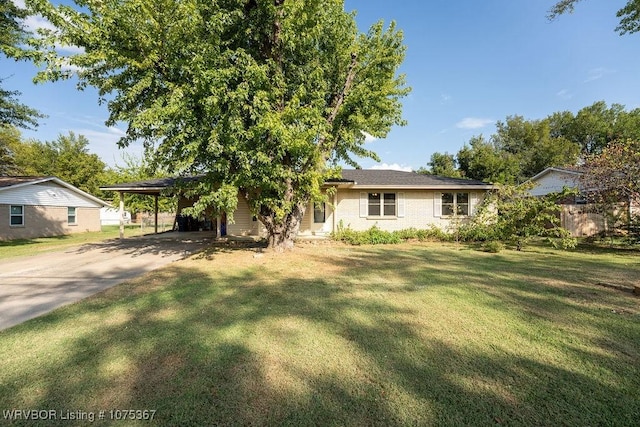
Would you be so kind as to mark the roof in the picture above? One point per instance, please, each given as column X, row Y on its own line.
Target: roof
column 151, row 186
column 351, row 178
column 381, row 178
column 556, row 169
column 12, row 182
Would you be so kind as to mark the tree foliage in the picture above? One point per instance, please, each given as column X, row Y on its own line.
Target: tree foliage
column 442, row 165
column 138, row 169
column 483, row 160
column 612, row 178
column 511, row 215
column 629, row 14
column 9, row 138
column 259, row 95
column 521, row 148
column 12, row 35
column 67, row 158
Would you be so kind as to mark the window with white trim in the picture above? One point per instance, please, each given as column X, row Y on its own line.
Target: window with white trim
column 71, row 216
column 455, row 204
column 16, row 216
column 382, row 204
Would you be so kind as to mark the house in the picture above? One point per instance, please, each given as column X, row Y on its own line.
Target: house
column 580, row 218
column 45, row 206
column 554, row 179
column 360, row 199
column 111, row 216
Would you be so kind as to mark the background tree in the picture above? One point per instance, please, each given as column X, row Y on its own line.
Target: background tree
column 67, row 158
column 442, row 165
column 259, row 95
column 482, row 160
column 9, row 138
column 629, row 15
column 137, row 169
column 12, row 35
column 532, row 147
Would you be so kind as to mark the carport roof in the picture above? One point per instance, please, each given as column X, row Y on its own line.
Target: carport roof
column 153, row 186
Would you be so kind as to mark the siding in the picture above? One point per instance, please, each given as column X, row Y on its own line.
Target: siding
column 46, row 221
column 243, row 224
column 45, row 194
column 553, row 182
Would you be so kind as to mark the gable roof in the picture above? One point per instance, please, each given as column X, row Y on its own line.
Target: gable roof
column 13, row 182
column 556, row 169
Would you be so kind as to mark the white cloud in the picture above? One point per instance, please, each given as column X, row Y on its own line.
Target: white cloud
column 104, row 143
column 445, row 98
column 564, row 94
column 393, row 166
column 34, row 23
column 473, row 123
column 597, row 73
column 368, row 137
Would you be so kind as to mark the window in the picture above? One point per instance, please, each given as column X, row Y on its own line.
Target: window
column 455, row 204
column 382, row 204
column 16, row 218
column 71, row 216
column 319, row 213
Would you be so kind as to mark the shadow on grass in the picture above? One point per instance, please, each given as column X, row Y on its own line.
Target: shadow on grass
column 239, row 347
column 34, row 241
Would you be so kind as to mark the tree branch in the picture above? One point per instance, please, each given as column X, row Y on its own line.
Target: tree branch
column 339, row 100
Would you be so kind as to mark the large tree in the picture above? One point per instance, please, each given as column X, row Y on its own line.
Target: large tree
column 261, row 96
column 12, row 36
column 629, row 15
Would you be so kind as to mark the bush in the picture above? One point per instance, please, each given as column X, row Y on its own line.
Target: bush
column 493, row 246
column 376, row 236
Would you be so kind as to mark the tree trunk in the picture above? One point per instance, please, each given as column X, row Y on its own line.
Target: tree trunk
column 282, row 233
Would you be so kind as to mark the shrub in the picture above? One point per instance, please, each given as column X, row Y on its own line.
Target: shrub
column 493, row 246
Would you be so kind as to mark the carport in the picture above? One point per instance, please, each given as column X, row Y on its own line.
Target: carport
column 151, row 187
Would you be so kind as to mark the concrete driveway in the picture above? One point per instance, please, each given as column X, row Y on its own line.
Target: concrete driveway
column 34, row 285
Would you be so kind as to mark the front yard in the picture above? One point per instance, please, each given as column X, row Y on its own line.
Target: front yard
column 412, row 334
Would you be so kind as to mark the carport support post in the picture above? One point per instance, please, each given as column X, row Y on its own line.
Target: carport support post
column 121, row 214
column 156, row 211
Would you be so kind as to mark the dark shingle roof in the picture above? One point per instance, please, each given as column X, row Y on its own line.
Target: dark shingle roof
column 357, row 177
column 151, row 185
column 372, row 177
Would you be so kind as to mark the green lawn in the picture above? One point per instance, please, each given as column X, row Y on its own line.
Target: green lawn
column 23, row 247
column 412, row 334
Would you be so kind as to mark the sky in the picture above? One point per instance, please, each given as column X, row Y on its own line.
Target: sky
column 470, row 63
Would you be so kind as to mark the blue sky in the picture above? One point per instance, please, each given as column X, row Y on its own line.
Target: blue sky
column 470, row 63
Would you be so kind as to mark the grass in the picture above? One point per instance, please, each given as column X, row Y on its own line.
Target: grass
column 21, row 247
column 411, row 334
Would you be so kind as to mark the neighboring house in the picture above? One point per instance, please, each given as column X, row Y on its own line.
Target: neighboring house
column 391, row 200
column 580, row 218
column 111, row 216
column 553, row 180
column 45, row 206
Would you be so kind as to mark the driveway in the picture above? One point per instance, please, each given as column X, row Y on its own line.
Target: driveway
column 34, row 285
